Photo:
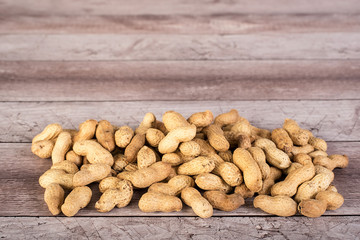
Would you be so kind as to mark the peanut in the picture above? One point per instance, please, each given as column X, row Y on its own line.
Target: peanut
column 62, row 146
column 54, row 198
column 282, row 140
column 201, row 119
column 77, row 199
column 283, row 206
column 86, row 130
column 94, row 152
column 220, row 200
column 198, row 203
column 274, row 156
column 172, row 140
column 105, row 134
column 159, row 202
column 123, row 136
column 197, row 166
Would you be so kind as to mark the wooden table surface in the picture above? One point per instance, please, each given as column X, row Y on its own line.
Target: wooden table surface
column 67, row 61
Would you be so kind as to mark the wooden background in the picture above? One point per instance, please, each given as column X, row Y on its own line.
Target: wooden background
column 66, row 61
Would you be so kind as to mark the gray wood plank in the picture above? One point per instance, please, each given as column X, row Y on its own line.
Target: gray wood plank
column 333, row 120
column 235, row 23
column 182, row 80
column 21, row 195
column 180, row 228
column 94, row 47
column 114, row 7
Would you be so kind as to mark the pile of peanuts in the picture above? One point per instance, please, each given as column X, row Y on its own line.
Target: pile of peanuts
column 203, row 162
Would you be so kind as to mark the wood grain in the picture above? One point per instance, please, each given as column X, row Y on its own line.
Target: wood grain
column 93, row 47
column 180, row 228
column 21, row 194
column 114, row 7
column 179, row 24
column 182, row 80
column 333, row 120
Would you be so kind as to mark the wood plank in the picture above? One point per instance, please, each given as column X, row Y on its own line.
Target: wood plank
column 179, row 24
column 336, row 120
column 114, row 7
column 94, row 47
column 21, row 195
column 180, row 228
column 182, row 80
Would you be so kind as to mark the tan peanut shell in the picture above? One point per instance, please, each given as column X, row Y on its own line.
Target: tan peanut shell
column 105, row 134
column 58, row 176
column 108, row 183
column 61, row 147
column 43, row 148
column 172, row 158
column 320, row 182
column 91, row 173
column 244, row 141
column 317, row 153
column 50, row 132
column 332, row 162
column 251, row 171
column 283, row 206
column 230, row 117
column 268, row 182
column 303, row 149
column 318, row 143
column 148, row 122
column 216, row 137
column 143, row 178
column 226, row 155
column 71, row 156
column 260, row 157
column 298, row 136
column 293, row 167
column 119, row 197
column 86, row 130
column 198, row 203
column 145, row 157
column 190, row 148
column 94, row 152
column 260, row 133
column 54, row 198
column 77, row 199
column 161, row 126
column 201, row 119
column 274, row 156
column 220, row 200
column 197, row 166
column 334, row 200
column 244, row 191
column 174, row 186
column 159, row 202
column 173, row 173
column 230, row 173
column 173, row 120
column 154, row 136
column 119, row 162
column 206, row 148
column 67, row 166
column 282, row 139
column 232, row 137
column 131, row 167
column 123, row 136
column 172, row 140
column 209, row 181
column 137, row 142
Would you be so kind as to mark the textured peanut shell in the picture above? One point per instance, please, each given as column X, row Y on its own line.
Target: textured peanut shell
column 289, row 186
column 105, row 134
column 198, row 203
column 91, row 173
column 320, row 182
column 131, row 167
column 143, row 178
column 209, row 181
column 242, row 127
column 250, row 169
column 172, row 140
column 58, row 176
column 206, row 148
column 260, row 157
column 232, row 137
column 298, row 136
column 283, row 206
column 172, row 158
column 119, row 197
column 77, row 199
column 201, row 119
column 137, row 142
column 230, row 173
column 274, row 156
column 147, row 122
column 268, row 182
column 123, row 136
column 334, row 200
column 154, row 136
column 230, row 117
column 292, row 168
column 43, row 148
column 51, row 131
column 197, row 166
column 159, row 202
column 174, row 186
column 161, row 126
column 317, row 153
column 71, row 156
column 318, row 143
column 54, row 198
column 226, row 155
column 67, row 166
column 260, row 133
column 302, row 158
column 312, row 208
column 86, row 130
column 303, row 149
column 145, row 157
column 220, row 200
column 216, row 137
column 282, row 139
column 94, row 152
column 173, row 120
column 244, row 191
column 61, row 147
column 119, row 162
column 190, row 148
column 108, row 183
column 244, row 141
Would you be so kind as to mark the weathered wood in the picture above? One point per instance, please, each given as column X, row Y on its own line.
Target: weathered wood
column 332, row 120
column 21, row 194
column 114, row 7
column 180, row 24
column 91, row 47
column 182, row 80
column 180, row 228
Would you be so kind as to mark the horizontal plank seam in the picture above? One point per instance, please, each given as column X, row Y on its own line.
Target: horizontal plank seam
column 192, row 60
